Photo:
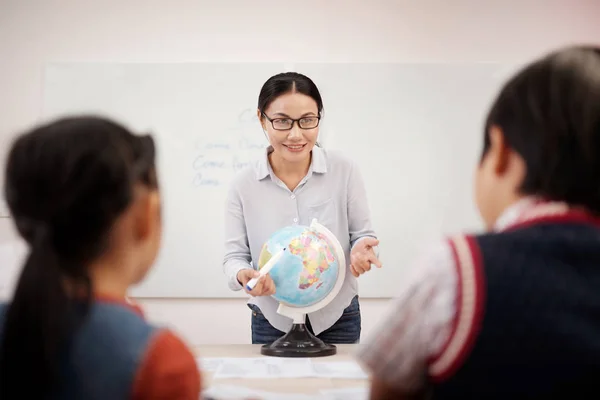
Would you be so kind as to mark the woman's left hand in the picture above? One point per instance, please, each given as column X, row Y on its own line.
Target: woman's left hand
column 363, row 255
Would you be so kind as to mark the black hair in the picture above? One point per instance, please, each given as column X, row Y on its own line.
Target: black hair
column 287, row 82
column 66, row 183
column 549, row 113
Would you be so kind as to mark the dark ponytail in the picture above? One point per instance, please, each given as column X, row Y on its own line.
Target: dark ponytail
column 66, row 183
column 36, row 325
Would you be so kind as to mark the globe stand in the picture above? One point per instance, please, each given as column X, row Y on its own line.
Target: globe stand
column 298, row 342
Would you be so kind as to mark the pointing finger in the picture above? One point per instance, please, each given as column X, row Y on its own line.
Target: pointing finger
column 375, row 260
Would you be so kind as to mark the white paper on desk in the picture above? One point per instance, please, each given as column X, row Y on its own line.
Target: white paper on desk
column 210, row 364
column 339, row 369
column 230, row 392
column 264, row 367
column 355, row 393
column 227, row 392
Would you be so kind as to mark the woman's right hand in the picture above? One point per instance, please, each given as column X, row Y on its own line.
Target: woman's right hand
column 264, row 287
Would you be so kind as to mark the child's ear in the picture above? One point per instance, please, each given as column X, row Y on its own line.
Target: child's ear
column 499, row 151
column 148, row 213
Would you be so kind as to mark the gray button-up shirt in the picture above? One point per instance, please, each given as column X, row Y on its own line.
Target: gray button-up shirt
column 259, row 204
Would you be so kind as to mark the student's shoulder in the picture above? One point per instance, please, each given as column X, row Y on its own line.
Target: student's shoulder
column 168, row 348
column 162, row 364
column 168, row 370
column 433, row 260
column 117, row 326
column 117, row 313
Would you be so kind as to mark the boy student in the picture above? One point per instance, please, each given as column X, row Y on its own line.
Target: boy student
column 83, row 194
column 514, row 312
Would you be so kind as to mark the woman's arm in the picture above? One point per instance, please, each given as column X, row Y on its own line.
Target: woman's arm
column 359, row 215
column 237, row 250
column 363, row 240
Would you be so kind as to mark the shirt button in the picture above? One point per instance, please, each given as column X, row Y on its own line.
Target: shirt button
column 293, row 196
column 296, row 220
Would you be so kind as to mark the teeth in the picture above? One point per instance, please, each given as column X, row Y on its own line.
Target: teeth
column 295, row 147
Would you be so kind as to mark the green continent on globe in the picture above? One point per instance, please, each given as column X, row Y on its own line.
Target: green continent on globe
column 316, row 257
column 265, row 256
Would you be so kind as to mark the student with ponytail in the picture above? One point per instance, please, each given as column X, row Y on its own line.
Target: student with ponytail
column 83, row 193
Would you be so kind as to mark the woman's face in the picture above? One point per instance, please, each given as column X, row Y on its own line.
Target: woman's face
column 292, row 144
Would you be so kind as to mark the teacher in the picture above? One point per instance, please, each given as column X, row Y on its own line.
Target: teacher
column 293, row 183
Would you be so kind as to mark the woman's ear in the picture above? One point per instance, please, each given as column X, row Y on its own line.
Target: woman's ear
column 261, row 119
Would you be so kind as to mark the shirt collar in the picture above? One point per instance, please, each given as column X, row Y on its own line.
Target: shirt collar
column 512, row 214
column 536, row 209
column 318, row 163
column 125, row 302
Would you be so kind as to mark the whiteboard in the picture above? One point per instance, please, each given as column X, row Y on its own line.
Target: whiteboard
column 414, row 129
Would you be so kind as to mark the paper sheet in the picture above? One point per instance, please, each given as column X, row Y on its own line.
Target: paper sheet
column 264, row 367
column 210, row 364
column 339, row 369
column 355, row 393
column 268, row 367
column 230, row 392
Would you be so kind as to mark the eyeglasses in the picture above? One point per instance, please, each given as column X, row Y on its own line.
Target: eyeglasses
column 285, row 124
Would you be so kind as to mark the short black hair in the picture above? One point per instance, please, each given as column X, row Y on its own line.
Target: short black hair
column 549, row 113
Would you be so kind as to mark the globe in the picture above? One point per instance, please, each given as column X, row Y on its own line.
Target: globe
column 307, row 272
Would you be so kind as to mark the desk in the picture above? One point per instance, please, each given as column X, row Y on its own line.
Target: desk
column 288, row 385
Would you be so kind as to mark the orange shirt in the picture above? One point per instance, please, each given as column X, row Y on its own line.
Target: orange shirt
column 168, row 370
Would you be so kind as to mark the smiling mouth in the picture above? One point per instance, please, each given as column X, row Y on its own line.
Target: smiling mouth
column 295, row 147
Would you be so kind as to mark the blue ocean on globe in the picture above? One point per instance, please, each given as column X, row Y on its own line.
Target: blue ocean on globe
column 307, row 271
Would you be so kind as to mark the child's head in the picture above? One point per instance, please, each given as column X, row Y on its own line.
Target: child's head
column 83, row 194
column 85, row 189
column 542, row 135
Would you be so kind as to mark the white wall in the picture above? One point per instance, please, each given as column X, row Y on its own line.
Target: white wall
column 33, row 33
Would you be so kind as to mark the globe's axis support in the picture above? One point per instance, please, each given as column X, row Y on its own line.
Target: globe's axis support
column 298, row 342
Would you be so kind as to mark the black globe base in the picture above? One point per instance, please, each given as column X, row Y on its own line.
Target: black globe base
column 298, row 342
